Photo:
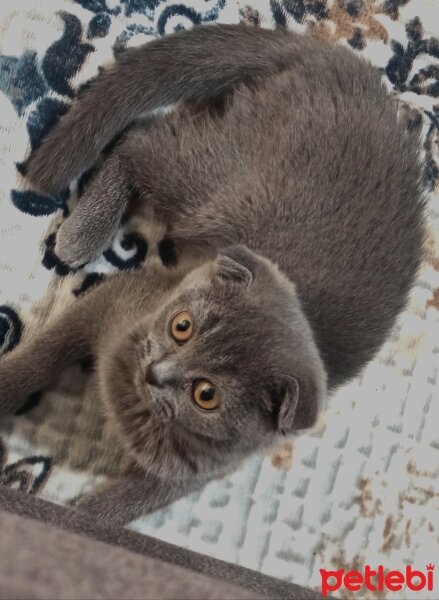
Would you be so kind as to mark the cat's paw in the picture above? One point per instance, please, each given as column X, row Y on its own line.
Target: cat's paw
column 72, row 246
column 83, row 237
column 100, row 507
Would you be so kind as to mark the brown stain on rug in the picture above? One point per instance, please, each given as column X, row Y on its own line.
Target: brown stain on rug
column 345, row 21
column 407, row 533
column 283, row 458
column 367, row 505
column 413, row 470
column 431, row 251
column 434, row 302
column 388, row 534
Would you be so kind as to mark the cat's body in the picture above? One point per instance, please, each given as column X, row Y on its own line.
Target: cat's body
column 303, row 161
column 308, row 167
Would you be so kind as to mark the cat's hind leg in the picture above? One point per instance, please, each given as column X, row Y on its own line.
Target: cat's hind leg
column 171, row 164
column 93, row 225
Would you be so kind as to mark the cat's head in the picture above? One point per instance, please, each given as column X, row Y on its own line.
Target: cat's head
column 230, row 356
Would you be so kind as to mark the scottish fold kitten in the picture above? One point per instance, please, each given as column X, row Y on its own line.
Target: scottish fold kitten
column 281, row 143
column 187, row 390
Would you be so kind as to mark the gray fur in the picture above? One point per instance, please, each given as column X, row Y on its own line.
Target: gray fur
column 296, row 152
column 308, row 167
column 203, row 65
column 124, row 323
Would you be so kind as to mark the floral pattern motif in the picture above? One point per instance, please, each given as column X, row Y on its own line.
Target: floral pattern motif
column 10, row 329
column 25, row 79
column 27, row 475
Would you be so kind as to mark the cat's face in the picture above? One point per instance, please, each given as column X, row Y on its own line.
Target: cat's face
column 230, row 357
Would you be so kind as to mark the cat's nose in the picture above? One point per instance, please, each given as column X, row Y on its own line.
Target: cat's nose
column 163, row 373
column 152, row 376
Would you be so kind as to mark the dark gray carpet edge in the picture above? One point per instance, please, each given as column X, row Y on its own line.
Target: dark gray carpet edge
column 80, row 523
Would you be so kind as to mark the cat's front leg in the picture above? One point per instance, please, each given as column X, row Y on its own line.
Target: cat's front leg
column 92, row 226
column 32, row 367
column 34, row 363
column 15, row 382
column 122, row 501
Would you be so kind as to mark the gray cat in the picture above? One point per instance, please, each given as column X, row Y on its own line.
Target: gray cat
column 280, row 142
column 187, row 388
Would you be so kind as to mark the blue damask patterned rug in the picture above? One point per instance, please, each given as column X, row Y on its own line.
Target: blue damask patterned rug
column 364, row 488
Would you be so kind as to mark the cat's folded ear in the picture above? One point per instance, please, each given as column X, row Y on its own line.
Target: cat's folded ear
column 298, row 402
column 236, row 264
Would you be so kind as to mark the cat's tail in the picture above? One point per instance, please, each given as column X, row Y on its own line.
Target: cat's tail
column 200, row 64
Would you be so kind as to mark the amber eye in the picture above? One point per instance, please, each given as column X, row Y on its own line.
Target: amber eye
column 205, row 394
column 181, row 327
